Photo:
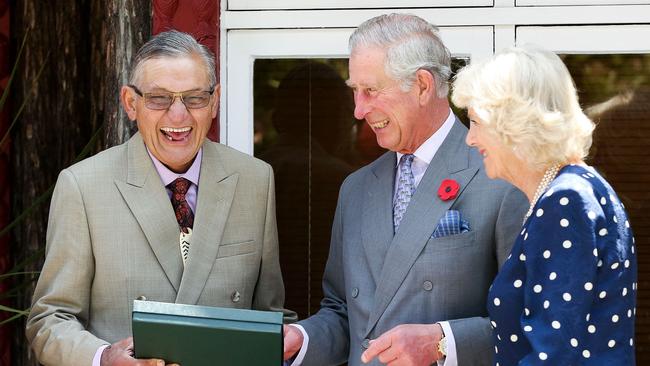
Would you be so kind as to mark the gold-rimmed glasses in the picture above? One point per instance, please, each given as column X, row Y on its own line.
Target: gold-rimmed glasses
column 162, row 100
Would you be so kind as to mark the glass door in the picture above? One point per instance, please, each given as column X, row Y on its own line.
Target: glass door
column 287, row 104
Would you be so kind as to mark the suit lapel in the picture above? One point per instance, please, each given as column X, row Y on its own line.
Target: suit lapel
column 148, row 201
column 377, row 219
column 215, row 195
column 422, row 216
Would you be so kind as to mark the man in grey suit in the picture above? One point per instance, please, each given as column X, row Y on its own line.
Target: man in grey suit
column 168, row 216
column 418, row 234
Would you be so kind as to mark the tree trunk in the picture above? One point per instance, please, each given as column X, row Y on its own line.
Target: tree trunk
column 85, row 46
column 118, row 30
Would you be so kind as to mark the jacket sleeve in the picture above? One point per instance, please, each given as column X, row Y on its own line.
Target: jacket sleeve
column 56, row 327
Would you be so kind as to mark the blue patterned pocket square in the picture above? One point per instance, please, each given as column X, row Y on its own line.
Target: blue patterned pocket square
column 451, row 224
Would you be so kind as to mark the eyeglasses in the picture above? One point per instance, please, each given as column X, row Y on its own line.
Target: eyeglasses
column 194, row 99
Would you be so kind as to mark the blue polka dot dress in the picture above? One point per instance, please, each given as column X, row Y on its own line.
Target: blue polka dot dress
column 566, row 295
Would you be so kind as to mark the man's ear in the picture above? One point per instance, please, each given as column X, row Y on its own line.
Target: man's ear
column 127, row 98
column 214, row 105
column 425, row 84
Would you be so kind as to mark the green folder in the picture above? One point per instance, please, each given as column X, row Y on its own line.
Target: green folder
column 192, row 335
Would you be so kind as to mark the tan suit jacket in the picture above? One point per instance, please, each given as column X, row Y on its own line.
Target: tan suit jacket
column 112, row 237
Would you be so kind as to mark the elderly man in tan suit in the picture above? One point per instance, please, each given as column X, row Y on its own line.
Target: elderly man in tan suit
column 168, row 216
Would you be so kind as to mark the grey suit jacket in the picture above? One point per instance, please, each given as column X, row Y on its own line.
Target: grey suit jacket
column 375, row 280
column 112, row 237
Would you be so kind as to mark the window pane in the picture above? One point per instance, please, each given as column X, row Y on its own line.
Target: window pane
column 614, row 90
column 305, row 128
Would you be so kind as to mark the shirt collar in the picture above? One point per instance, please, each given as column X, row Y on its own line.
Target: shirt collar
column 430, row 146
column 167, row 176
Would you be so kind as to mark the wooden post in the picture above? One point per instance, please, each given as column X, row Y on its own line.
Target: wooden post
column 85, row 46
column 5, row 188
column 118, row 29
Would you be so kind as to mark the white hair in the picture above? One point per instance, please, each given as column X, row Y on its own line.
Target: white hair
column 411, row 44
column 526, row 97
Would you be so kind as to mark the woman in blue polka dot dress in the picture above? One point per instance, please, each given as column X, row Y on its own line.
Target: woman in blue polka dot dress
column 566, row 295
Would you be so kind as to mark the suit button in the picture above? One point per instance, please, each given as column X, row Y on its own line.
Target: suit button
column 235, row 296
column 355, row 292
column 141, row 298
column 427, row 285
column 366, row 343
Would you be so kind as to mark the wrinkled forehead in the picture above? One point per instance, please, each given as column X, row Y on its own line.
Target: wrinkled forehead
column 188, row 72
column 367, row 66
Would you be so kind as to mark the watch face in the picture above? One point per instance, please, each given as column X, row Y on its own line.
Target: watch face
column 442, row 346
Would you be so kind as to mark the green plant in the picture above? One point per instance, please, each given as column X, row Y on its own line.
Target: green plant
column 22, row 279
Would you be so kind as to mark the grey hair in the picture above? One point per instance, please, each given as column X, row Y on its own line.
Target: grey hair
column 411, row 44
column 172, row 44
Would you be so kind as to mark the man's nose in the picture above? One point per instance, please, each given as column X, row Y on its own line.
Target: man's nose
column 361, row 107
column 177, row 110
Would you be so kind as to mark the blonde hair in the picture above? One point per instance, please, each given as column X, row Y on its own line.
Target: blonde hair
column 526, row 97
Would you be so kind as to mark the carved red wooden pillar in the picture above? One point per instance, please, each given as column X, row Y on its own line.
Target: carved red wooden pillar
column 200, row 18
column 5, row 212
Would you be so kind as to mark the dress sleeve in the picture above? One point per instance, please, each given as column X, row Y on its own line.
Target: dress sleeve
column 561, row 260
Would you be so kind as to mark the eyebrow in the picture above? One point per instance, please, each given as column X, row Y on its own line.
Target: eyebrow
column 159, row 88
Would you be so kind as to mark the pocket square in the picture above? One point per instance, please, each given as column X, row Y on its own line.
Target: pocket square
column 451, row 224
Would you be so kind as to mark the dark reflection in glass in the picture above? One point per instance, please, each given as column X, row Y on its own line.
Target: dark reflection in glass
column 614, row 90
column 310, row 144
column 305, row 128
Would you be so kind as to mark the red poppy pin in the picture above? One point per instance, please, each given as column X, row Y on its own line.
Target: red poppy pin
column 448, row 189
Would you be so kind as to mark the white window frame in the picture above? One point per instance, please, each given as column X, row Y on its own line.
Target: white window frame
column 592, row 39
column 322, row 33
column 246, row 46
column 579, row 2
column 350, row 4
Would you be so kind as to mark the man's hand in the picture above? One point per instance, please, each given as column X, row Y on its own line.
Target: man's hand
column 292, row 341
column 406, row 345
column 120, row 353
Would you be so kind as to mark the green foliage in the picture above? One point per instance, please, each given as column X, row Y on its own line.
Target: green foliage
column 23, row 279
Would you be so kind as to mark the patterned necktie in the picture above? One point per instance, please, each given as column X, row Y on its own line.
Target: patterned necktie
column 405, row 189
column 183, row 211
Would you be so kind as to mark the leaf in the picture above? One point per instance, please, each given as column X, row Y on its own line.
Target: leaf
column 10, row 319
column 10, row 274
column 24, row 102
column 5, row 94
column 12, row 310
column 43, row 197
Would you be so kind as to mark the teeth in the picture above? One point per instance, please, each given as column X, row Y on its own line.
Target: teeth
column 380, row 124
column 171, row 129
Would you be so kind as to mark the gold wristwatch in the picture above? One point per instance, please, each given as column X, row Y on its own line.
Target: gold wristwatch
column 442, row 344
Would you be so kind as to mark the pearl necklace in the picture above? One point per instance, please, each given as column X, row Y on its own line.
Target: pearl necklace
column 548, row 177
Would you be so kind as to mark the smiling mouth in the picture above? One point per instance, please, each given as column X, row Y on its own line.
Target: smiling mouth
column 176, row 134
column 379, row 125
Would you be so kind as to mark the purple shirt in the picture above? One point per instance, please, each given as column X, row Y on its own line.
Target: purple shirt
column 192, row 174
column 167, row 176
